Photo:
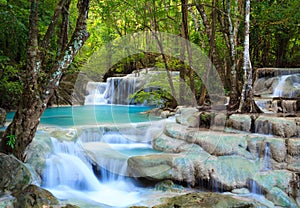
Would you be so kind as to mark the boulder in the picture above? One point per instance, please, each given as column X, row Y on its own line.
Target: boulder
column 214, row 143
column 282, row 179
column 165, row 114
column 231, row 172
column 165, row 143
column 37, row 159
column 219, row 122
column 283, row 127
column 2, row 117
column 293, row 146
column 218, row 144
column 153, row 167
column 256, row 144
column 188, row 117
column 289, row 106
column 293, row 163
column 14, row 176
column 176, row 131
column 240, row 122
column 208, row 200
column 280, row 198
column 34, row 197
column 224, row 173
column 168, row 186
column 278, row 148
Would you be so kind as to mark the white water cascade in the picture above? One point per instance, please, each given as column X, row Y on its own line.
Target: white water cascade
column 115, row 91
column 96, row 94
column 69, row 175
column 288, row 86
column 267, row 157
column 93, row 168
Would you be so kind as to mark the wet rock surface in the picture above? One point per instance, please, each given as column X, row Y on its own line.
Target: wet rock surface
column 207, row 200
column 34, row 197
column 228, row 161
column 14, row 174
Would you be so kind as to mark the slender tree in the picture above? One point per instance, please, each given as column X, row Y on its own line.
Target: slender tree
column 233, row 24
column 41, row 81
column 247, row 103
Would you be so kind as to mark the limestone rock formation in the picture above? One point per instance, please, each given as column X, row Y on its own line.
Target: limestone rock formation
column 14, row 176
column 228, row 161
column 34, row 197
column 207, row 200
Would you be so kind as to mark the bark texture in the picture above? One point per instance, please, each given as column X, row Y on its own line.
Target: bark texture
column 247, row 103
column 37, row 91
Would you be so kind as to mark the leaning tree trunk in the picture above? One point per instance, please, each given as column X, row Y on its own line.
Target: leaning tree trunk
column 37, row 91
column 247, row 103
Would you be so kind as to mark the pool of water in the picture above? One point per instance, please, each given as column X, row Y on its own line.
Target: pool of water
column 93, row 115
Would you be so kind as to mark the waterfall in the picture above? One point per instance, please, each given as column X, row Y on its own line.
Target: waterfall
column 278, row 91
column 254, row 187
column 69, row 175
column 267, row 157
column 288, row 86
column 96, row 93
column 93, row 168
column 115, row 91
column 119, row 89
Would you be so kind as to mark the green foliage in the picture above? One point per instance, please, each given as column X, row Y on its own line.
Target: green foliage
column 157, row 98
column 11, row 141
column 11, row 86
column 275, row 31
column 14, row 29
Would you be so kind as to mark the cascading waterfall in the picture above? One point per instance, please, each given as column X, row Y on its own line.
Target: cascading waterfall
column 69, row 175
column 288, row 86
column 115, row 91
column 278, row 91
column 96, row 94
column 119, row 88
column 94, row 167
column 267, row 157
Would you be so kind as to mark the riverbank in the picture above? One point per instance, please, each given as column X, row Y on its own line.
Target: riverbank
column 223, row 157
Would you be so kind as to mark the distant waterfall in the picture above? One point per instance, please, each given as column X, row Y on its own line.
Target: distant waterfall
column 119, row 89
column 96, row 94
column 115, row 91
column 288, row 86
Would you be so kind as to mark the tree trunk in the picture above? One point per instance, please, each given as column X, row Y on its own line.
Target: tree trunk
column 208, row 30
column 37, row 92
column 185, row 46
column 247, row 103
column 233, row 103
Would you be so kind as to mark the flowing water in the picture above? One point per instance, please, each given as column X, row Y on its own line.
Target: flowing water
column 111, row 134
column 69, row 175
column 288, row 86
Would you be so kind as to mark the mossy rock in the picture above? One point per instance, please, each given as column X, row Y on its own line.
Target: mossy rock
column 168, row 186
column 14, row 175
column 194, row 200
column 34, row 197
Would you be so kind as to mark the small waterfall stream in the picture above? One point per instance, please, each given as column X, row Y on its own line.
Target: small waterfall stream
column 267, row 157
column 69, row 175
column 93, row 168
column 288, row 86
